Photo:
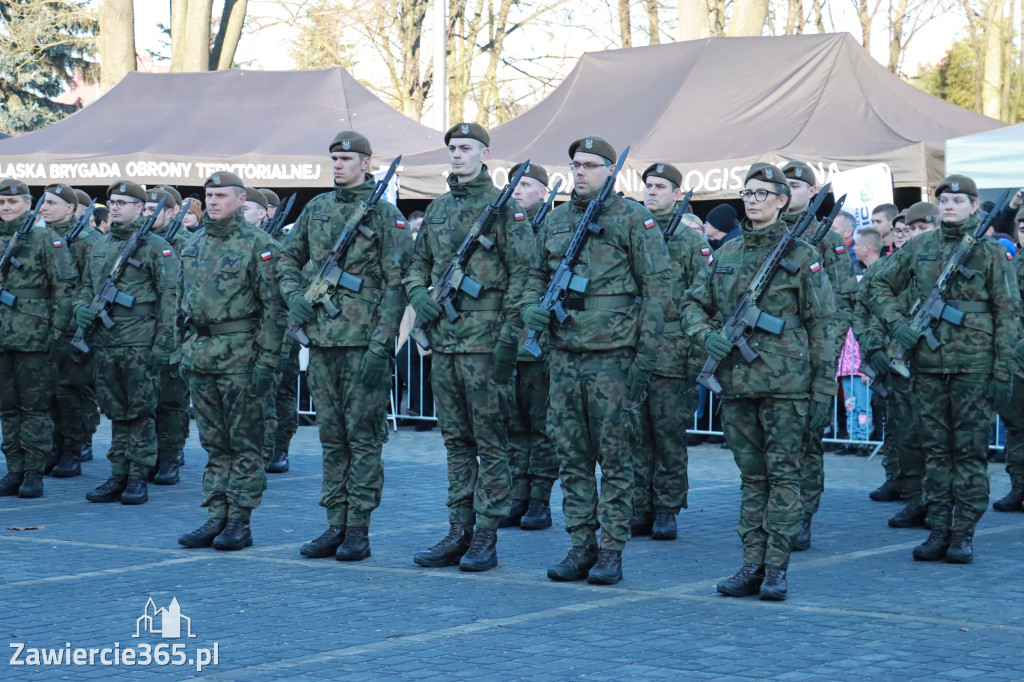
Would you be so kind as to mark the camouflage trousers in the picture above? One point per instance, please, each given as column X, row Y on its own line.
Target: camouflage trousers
column 351, row 417
column 282, row 410
column 531, row 454
column 955, row 414
column 660, row 464
column 1014, row 420
column 26, row 388
column 471, row 409
column 171, row 414
column 768, row 440
column 812, row 473
column 589, row 422
column 903, row 429
column 890, row 454
column 75, row 417
column 126, row 390
column 230, row 422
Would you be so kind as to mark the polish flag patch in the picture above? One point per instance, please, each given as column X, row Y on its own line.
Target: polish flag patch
column 166, row 252
column 400, row 224
column 649, row 223
column 520, row 216
column 711, row 259
column 1009, row 256
column 815, row 266
column 57, row 244
column 841, row 248
column 705, row 251
column 266, row 255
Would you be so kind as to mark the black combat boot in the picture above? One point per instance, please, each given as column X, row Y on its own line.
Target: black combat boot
column 166, row 472
column 181, row 458
column 934, row 548
column 109, row 491
column 745, row 582
column 1012, row 502
column 356, row 546
column 204, row 535
column 135, row 491
column 664, row 527
column 236, row 535
column 803, row 539
column 325, row 545
column 52, row 459
column 278, row 463
column 608, row 569
column 537, row 517
column 576, row 564
column 887, row 492
column 10, row 483
column 961, row 547
column 774, row 587
column 909, row 517
column 86, row 453
column 482, row 554
column 449, row 551
column 641, row 524
column 70, row 464
column 32, row 485
column 515, row 516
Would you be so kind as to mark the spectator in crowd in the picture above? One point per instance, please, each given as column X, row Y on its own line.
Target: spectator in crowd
column 721, row 225
column 100, row 218
column 845, row 225
column 415, row 220
column 881, row 220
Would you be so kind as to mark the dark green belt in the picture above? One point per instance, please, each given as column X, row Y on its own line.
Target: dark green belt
column 600, row 302
column 368, row 283
column 970, row 306
column 30, row 293
column 792, row 321
column 230, row 327
column 489, row 301
column 137, row 310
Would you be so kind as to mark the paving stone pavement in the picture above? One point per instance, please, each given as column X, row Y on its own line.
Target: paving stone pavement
column 859, row 606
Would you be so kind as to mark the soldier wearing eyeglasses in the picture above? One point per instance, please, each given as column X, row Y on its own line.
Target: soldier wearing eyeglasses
column 769, row 403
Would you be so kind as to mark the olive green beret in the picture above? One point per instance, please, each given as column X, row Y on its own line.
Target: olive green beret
column 350, row 141
column 224, row 179
column 922, row 211
column 127, row 188
column 271, row 195
column 1020, row 215
column 594, row 145
column 474, row 131
column 157, row 194
column 534, row 171
column 666, row 171
column 62, row 191
column 900, row 218
column 765, row 172
column 796, row 170
column 13, row 188
column 83, row 197
column 957, row 184
column 174, row 194
column 256, row 196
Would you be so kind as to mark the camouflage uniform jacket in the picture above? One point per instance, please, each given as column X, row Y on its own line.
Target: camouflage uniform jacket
column 867, row 329
column 152, row 284
column 34, row 321
column 1018, row 268
column 228, row 275
column 372, row 315
column 83, row 245
column 523, row 356
column 500, row 270
column 690, row 255
column 986, row 341
column 799, row 361
column 181, row 237
column 628, row 259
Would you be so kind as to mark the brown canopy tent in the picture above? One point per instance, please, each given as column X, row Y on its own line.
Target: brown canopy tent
column 714, row 106
column 270, row 127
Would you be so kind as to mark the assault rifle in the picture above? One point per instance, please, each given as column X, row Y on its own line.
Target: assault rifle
column 71, row 236
column 108, row 294
column 564, row 280
column 747, row 316
column 332, row 275
column 677, row 216
column 926, row 313
column 545, row 208
column 454, row 279
column 276, row 224
column 9, row 259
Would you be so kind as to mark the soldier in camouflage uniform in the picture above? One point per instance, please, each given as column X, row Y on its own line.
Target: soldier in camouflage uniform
column 473, row 357
column 130, row 354
column 601, row 358
column 1013, row 416
column 272, row 200
column 255, row 209
column 30, row 325
column 660, row 480
column 769, row 404
column 531, row 454
column 957, row 385
column 839, row 268
column 172, row 389
column 90, row 235
column 351, row 354
column 229, row 299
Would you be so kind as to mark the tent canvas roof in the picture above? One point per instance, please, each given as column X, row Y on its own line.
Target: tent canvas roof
column 992, row 159
column 714, row 106
column 180, row 127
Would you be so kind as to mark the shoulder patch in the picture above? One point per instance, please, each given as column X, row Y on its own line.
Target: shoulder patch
column 649, row 223
column 1009, row 256
column 711, row 259
column 841, row 248
column 58, row 243
column 266, row 255
column 319, row 216
column 705, row 251
column 400, row 224
column 520, row 216
column 166, row 252
column 815, row 266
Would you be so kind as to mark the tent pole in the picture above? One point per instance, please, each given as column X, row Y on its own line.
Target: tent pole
column 440, row 85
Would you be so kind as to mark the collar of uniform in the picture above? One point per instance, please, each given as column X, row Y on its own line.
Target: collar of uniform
column 224, row 226
column 7, row 229
column 954, row 233
column 125, row 231
column 350, row 195
column 63, row 226
column 580, row 204
column 763, row 238
column 477, row 185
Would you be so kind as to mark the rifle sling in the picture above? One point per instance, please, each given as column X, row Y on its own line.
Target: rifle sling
column 600, row 302
column 970, row 306
column 30, row 293
column 137, row 310
column 491, row 300
column 229, row 327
